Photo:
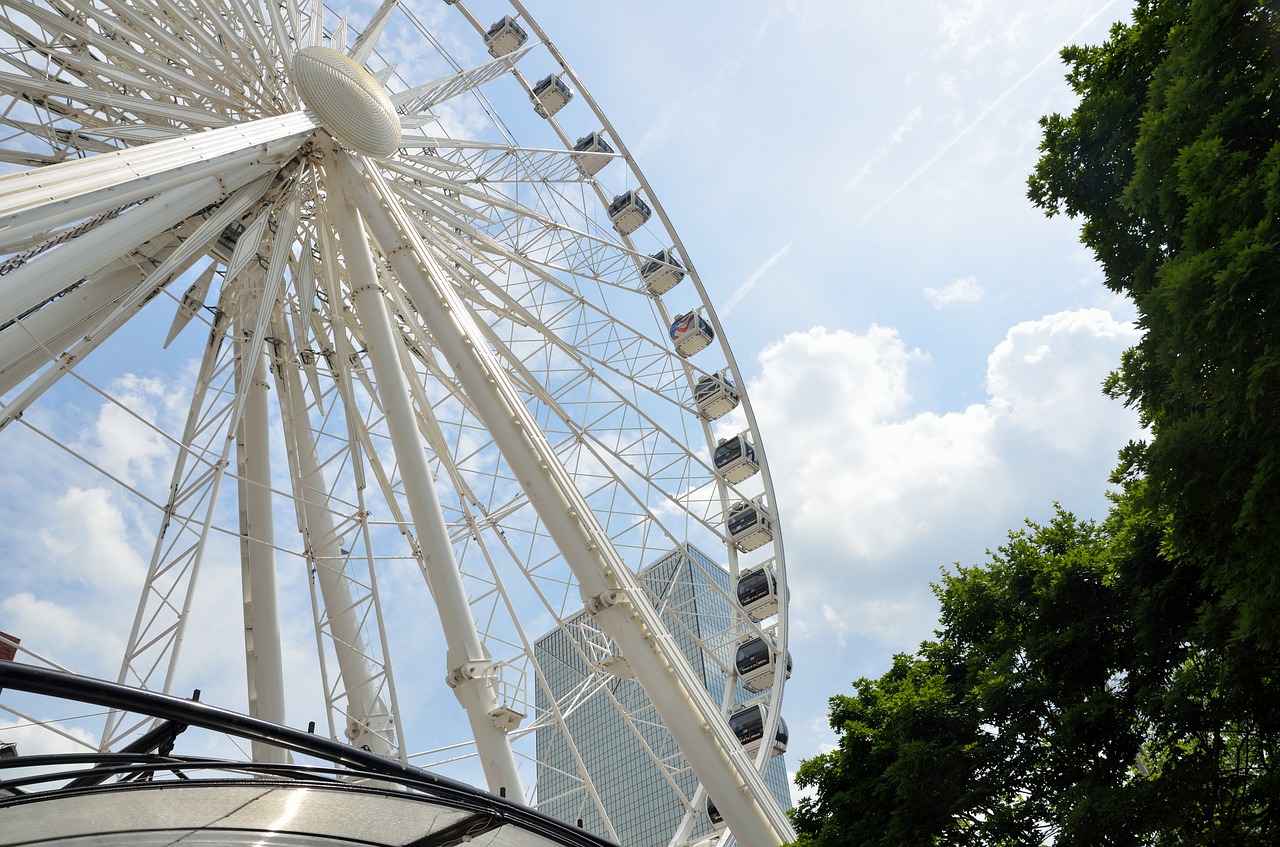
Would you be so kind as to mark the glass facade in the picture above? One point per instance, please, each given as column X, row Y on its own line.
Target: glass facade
column 691, row 593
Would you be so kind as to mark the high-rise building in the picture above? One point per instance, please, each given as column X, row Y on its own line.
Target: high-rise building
column 691, row 593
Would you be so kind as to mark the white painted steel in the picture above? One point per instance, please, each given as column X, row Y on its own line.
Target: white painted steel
column 608, row 587
column 369, row 720
column 487, row 394
column 263, row 663
column 41, row 200
column 469, row 666
column 47, row 276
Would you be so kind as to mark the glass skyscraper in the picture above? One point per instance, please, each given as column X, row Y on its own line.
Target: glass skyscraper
column 691, row 594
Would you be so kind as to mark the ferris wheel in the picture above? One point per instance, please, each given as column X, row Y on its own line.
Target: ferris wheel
column 427, row 318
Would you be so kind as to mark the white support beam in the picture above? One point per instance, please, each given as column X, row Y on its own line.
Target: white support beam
column 53, row 272
column 62, row 333
column 610, row 590
column 471, row 671
column 263, row 663
column 45, row 198
column 369, row 722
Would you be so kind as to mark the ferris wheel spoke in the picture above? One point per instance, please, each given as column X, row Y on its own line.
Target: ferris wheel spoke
column 191, row 49
column 114, row 291
column 48, row 276
column 422, row 97
column 369, row 36
column 40, row 200
column 470, row 666
column 608, row 585
column 216, row 410
column 363, row 684
column 132, row 69
column 478, row 386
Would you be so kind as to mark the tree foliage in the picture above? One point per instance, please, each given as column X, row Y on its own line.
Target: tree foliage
column 1172, row 159
column 1007, row 730
column 1116, row 684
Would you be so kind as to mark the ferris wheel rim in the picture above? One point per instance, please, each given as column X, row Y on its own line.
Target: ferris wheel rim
column 731, row 366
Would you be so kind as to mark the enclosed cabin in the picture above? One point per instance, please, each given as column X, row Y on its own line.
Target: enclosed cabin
column 550, row 95
column 504, row 37
column 757, row 591
column 749, row 525
column 662, row 272
column 735, row 458
column 713, row 814
column 715, row 395
column 591, row 153
column 755, row 660
column 690, row 333
column 628, row 211
column 748, row 725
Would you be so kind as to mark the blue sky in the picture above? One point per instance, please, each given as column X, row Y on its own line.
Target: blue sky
column 923, row 348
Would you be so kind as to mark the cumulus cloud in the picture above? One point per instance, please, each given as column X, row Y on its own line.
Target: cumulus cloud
column 965, row 290
column 877, row 494
column 1046, row 376
column 61, row 633
column 123, row 439
column 88, row 540
column 51, row 737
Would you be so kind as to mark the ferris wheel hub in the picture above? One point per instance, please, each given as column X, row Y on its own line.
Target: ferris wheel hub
column 350, row 103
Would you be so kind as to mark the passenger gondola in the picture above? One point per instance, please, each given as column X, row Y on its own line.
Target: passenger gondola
column 735, row 459
column 662, row 272
column 691, row 333
column 505, row 37
column 749, row 525
column 755, row 661
column 757, row 591
column 550, row 95
column 715, row 395
column 628, row 212
column 748, row 725
column 592, row 152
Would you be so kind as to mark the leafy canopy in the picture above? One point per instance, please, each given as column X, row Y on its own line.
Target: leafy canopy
column 1116, row 684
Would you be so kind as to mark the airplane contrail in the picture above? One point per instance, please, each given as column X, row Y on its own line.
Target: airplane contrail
column 991, row 107
column 736, row 297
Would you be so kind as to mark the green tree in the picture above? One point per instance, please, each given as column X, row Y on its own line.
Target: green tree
column 1172, row 161
column 1117, row 684
column 1009, row 729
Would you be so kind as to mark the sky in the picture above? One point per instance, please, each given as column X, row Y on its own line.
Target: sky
column 923, row 348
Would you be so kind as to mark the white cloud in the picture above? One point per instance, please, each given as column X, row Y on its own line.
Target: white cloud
column 51, row 737
column 61, row 633
column 964, row 290
column 1045, row 378
column 877, row 495
column 88, row 540
column 123, row 440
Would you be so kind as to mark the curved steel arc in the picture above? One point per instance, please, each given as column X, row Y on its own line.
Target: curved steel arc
column 608, row 586
column 779, row 561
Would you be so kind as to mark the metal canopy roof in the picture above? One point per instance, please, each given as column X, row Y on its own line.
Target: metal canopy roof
column 140, row 799
column 251, row 814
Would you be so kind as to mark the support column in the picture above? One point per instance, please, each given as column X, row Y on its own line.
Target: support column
column 257, row 554
column 471, row 673
column 369, row 723
column 610, row 590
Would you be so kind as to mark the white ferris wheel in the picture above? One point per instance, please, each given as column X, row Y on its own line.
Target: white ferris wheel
column 433, row 321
